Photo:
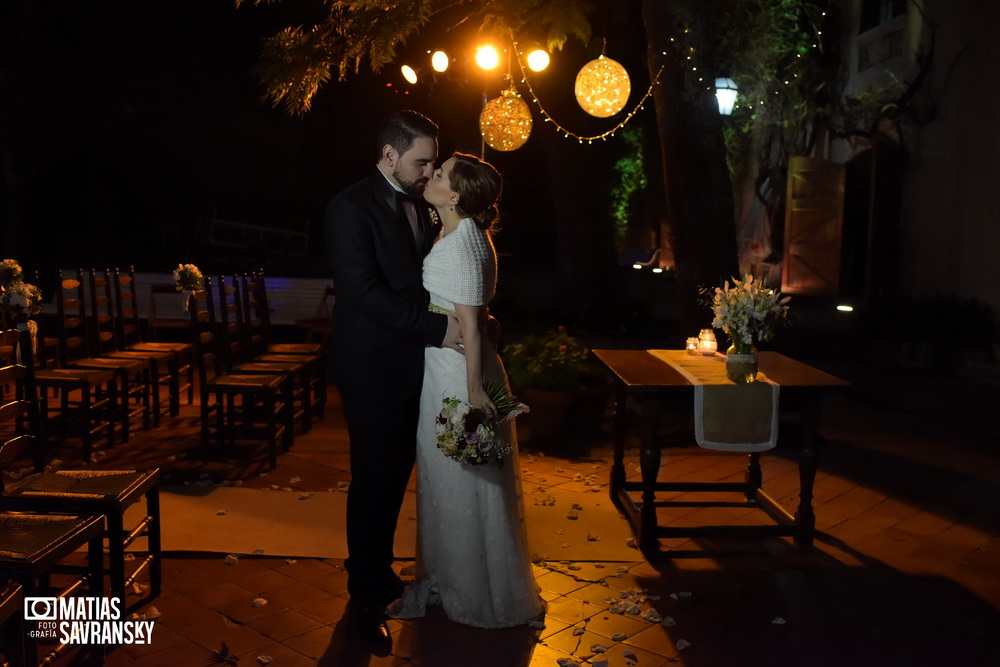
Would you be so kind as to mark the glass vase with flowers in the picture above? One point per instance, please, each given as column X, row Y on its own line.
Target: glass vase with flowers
column 748, row 312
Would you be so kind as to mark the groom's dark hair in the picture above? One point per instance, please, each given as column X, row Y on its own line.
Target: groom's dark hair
column 402, row 128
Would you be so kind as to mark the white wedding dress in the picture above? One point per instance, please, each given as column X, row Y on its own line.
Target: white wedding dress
column 472, row 553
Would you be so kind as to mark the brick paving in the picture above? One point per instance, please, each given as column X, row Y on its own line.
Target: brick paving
column 905, row 570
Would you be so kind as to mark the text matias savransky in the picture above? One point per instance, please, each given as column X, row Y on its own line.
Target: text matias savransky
column 85, row 620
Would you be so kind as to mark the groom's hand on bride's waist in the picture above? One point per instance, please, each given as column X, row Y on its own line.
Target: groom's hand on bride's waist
column 453, row 336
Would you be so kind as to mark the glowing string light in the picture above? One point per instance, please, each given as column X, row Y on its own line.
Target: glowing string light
column 568, row 133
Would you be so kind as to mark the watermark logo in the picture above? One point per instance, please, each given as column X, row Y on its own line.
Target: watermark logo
column 39, row 609
column 85, row 620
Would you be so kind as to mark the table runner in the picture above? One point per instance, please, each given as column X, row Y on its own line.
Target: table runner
column 728, row 417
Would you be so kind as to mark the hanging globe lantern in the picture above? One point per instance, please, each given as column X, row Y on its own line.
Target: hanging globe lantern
column 505, row 121
column 602, row 87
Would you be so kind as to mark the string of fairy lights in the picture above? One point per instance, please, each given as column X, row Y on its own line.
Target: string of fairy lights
column 569, row 133
column 602, row 89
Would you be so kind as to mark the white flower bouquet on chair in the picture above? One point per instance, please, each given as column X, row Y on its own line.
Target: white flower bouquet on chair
column 17, row 296
column 187, row 280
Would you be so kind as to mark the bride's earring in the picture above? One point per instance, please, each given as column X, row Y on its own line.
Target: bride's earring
column 452, row 208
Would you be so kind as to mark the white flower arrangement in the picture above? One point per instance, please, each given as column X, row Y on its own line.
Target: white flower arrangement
column 468, row 435
column 747, row 311
column 10, row 272
column 187, row 277
column 16, row 293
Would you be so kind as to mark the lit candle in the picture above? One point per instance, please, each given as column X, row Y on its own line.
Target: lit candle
column 692, row 345
column 707, row 344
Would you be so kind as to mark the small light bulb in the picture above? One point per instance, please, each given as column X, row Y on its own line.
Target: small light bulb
column 439, row 61
column 408, row 73
column 538, row 60
column 487, row 57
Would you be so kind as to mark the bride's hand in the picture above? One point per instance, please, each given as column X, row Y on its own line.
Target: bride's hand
column 478, row 398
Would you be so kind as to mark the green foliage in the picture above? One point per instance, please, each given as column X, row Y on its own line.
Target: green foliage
column 551, row 361
column 864, row 112
column 297, row 61
column 630, row 171
column 786, row 47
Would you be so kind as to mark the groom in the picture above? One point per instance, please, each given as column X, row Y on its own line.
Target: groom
column 376, row 238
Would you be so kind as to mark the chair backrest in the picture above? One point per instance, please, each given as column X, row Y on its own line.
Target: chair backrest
column 204, row 335
column 104, row 338
column 230, row 326
column 72, row 311
column 126, row 307
column 254, row 325
column 19, row 413
column 171, row 315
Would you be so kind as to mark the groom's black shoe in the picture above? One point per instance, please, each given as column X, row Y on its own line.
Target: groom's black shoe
column 369, row 624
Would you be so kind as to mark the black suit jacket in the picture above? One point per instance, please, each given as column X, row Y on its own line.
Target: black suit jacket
column 380, row 318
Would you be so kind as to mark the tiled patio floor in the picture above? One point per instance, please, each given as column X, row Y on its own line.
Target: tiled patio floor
column 906, row 569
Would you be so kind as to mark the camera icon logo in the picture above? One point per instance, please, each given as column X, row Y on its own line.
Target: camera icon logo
column 39, row 609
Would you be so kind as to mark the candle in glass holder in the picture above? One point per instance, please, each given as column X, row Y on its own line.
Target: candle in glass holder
column 707, row 344
column 692, row 345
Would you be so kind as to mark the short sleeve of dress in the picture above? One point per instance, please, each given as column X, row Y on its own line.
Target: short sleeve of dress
column 464, row 271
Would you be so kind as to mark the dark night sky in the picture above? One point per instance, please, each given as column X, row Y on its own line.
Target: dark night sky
column 133, row 123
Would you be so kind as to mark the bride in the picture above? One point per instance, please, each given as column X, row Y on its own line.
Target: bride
column 472, row 555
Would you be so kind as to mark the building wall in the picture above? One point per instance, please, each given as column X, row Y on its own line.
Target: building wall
column 950, row 201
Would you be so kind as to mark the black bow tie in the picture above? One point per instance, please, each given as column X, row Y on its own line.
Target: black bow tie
column 405, row 196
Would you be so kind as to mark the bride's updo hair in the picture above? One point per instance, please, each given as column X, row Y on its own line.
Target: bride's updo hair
column 478, row 185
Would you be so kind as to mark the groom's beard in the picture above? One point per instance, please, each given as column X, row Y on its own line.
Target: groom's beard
column 412, row 188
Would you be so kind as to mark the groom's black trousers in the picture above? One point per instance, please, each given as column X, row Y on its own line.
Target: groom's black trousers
column 382, row 424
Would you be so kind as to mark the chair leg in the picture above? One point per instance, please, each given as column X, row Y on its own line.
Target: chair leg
column 288, row 416
column 272, row 440
column 205, row 415
column 174, row 385
column 153, row 541
column 307, row 408
column 116, row 556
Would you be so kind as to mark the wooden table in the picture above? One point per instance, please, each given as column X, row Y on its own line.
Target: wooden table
column 652, row 383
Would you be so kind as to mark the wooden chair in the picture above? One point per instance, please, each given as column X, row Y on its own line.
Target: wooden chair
column 76, row 352
column 130, row 337
column 319, row 327
column 260, row 320
column 106, row 493
column 236, row 405
column 34, row 544
column 38, row 545
column 238, row 357
column 257, row 328
column 105, row 342
column 72, row 402
column 167, row 317
column 12, row 616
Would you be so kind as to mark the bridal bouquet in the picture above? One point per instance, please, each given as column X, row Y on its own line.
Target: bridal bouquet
column 187, row 277
column 468, row 435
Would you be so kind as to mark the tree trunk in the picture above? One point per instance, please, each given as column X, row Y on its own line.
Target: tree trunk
column 698, row 188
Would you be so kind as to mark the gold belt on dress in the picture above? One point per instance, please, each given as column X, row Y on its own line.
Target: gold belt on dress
column 440, row 310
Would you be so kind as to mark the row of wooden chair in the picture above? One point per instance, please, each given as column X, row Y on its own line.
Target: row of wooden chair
column 46, row 515
column 249, row 385
column 96, row 373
